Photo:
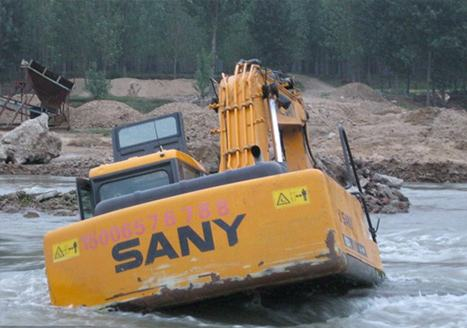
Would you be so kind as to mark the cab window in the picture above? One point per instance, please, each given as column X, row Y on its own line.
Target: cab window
column 85, row 198
column 132, row 184
column 147, row 131
column 187, row 172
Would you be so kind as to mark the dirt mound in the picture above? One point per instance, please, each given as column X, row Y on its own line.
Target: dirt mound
column 424, row 138
column 423, row 116
column 313, row 85
column 327, row 114
column 164, row 89
column 103, row 114
column 356, row 91
column 152, row 89
column 198, row 123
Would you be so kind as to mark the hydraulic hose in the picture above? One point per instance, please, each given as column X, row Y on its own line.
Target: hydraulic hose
column 348, row 153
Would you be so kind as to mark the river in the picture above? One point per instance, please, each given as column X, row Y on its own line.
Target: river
column 424, row 253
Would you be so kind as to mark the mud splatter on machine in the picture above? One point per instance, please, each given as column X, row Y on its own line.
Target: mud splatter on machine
column 156, row 231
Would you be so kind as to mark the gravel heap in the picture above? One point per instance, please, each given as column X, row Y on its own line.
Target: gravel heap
column 103, row 114
column 198, row 123
column 356, row 91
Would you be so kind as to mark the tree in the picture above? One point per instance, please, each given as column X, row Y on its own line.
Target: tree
column 212, row 14
column 96, row 82
column 272, row 30
column 203, row 73
column 9, row 38
column 428, row 32
column 180, row 34
column 361, row 40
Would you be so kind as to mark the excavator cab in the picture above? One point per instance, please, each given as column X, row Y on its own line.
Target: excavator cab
column 147, row 155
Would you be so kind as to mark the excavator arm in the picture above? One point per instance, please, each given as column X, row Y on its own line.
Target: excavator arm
column 261, row 115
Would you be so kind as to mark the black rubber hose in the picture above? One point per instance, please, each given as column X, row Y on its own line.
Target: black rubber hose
column 346, row 147
column 307, row 143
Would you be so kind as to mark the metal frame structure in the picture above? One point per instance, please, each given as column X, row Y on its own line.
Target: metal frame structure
column 52, row 90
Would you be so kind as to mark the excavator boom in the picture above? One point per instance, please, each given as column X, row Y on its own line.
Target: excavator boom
column 259, row 108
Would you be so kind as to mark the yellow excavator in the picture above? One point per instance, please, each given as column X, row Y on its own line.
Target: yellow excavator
column 157, row 231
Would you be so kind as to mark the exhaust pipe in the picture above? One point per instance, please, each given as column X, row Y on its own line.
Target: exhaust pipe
column 256, row 152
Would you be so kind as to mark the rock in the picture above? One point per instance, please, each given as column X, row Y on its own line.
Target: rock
column 3, row 154
column 33, row 191
column 364, row 182
column 47, row 195
column 404, row 206
column 384, row 191
column 30, row 143
column 10, row 209
column 69, row 196
column 391, row 208
column 365, row 173
column 400, row 195
column 63, row 212
column 388, row 180
column 31, row 215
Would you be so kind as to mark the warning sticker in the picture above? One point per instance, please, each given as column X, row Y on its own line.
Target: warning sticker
column 65, row 250
column 290, row 197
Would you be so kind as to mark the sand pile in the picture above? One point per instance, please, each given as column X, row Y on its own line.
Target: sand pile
column 198, row 123
column 450, row 125
column 165, row 89
column 413, row 144
column 156, row 89
column 312, row 86
column 356, row 91
column 327, row 114
column 421, row 116
column 103, row 114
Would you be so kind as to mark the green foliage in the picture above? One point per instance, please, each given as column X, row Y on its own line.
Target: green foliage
column 381, row 42
column 24, row 198
column 96, row 83
column 203, row 73
column 9, row 38
column 214, row 17
column 272, row 29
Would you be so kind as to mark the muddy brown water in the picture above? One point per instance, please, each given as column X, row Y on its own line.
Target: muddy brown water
column 424, row 253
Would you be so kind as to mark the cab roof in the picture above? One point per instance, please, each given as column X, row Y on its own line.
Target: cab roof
column 135, row 162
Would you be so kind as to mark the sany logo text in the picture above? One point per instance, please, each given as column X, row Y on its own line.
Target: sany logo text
column 129, row 256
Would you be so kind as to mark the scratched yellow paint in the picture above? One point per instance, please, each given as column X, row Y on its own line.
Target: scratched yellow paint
column 65, row 250
column 291, row 197
column 269, row 239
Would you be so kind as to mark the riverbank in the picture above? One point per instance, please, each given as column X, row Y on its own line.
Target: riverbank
column 431, row 172
column 416, row 145
column 420, row 144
